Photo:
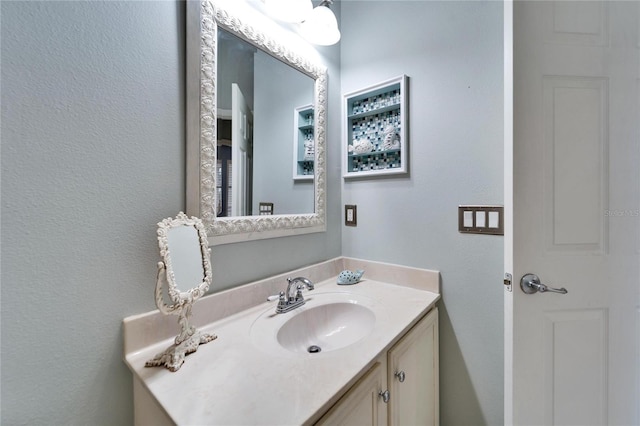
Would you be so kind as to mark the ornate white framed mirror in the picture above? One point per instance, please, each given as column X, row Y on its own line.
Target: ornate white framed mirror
column 225, row 192
column 185, row 273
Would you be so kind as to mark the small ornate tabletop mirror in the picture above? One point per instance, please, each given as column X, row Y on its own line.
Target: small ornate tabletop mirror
column 186, row 271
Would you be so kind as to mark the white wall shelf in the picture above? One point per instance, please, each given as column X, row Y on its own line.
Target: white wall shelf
column 303, row 155
column 375, row 133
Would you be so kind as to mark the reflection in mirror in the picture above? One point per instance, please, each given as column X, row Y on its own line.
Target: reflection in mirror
column 186, row 257
column 259, row 94
column 232, row 48
column 185, row 270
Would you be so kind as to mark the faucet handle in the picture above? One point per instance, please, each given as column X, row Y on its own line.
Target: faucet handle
column 276, row 297
column 299, row 288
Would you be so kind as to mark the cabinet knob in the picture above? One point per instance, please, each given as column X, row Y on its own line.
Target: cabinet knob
column 385, row 395
column 400, row 375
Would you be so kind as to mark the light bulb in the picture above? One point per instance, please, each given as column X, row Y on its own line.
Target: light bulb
column 321, row 27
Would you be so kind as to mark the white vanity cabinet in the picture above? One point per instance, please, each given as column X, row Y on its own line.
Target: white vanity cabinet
column 413, row 378
column 408, row 372
column 362, row 404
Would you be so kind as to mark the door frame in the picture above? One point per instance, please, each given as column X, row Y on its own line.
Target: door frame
column 508, row 209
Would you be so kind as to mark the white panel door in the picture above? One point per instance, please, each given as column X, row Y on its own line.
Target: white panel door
column 241, row 155
column 572, row 198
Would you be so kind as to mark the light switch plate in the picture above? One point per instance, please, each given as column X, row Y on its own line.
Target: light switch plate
column 351, row 215
column 481, row 220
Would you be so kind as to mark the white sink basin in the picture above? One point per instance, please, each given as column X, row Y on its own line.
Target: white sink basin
column 325, row 323
column 326, row 327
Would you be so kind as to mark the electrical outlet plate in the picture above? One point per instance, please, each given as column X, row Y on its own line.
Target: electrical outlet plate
column 266, row 209
column 350, row 215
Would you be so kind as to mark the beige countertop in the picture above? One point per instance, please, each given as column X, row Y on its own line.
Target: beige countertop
column 237, row 380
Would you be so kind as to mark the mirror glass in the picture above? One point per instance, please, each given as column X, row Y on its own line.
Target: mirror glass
column 186, row 256
column 247, row 81
column 257, row 99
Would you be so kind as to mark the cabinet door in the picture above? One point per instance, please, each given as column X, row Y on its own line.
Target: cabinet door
column 413, row 375
column 362, row 405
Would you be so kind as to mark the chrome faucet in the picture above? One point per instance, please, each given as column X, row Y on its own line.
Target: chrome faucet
column 292, row 298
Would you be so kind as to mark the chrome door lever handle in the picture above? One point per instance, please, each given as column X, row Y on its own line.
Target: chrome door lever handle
column 542, row 288
column 530, row 283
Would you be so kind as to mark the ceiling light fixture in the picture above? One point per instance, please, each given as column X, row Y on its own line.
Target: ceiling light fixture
column 321, row 26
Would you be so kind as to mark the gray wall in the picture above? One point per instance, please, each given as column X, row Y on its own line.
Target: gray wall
column 92, row 158
column 452, row 52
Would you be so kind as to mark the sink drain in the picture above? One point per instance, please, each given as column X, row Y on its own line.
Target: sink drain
column 313, row 349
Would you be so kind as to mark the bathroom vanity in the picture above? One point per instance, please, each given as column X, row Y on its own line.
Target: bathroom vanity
column 379, row 367
column 401, row 388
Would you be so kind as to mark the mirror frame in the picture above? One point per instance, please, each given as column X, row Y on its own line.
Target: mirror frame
column 203, row 20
